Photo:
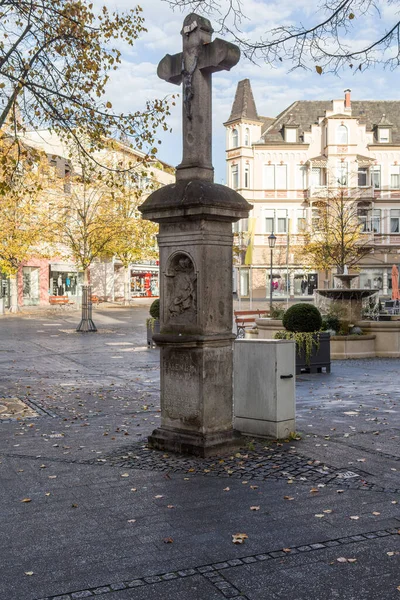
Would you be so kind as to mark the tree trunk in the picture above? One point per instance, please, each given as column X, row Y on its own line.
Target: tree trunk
column 127, row 292
column 14, row 293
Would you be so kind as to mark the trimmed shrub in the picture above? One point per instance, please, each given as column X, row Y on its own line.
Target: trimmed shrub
column 302, row 317
column 155, row 309
column 330, row 322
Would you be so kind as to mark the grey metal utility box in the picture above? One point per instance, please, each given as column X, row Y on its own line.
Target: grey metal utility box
column 264, row 387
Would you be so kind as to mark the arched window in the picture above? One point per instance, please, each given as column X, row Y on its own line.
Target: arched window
column 342, row 134
column 247, row 137
column 235, row 138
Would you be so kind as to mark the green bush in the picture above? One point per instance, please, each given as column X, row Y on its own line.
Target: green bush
column 302, row 317
column 277, row 312
column 330, row 322
column 155, row 309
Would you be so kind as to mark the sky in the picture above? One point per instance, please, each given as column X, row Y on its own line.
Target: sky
column 274, row 87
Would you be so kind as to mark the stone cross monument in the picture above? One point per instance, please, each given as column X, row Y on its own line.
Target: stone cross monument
column 195, row 241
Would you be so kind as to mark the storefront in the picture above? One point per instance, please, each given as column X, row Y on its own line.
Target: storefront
column 254, row 283
column 144, row 282
column 64, row 280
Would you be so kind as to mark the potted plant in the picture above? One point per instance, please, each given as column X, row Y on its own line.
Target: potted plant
column 153, row 322
column 302, row 323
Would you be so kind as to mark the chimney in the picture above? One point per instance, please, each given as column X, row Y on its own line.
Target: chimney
column 347, row 100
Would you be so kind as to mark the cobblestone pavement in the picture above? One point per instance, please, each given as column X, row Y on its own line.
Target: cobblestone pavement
column 87, row 510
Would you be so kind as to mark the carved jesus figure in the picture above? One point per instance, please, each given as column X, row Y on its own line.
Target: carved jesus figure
column 184, row 289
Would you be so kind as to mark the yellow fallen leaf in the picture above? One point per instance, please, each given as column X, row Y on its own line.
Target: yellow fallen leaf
column 26, row 500
column 124, row 474
column 314, row 490
column 328, row 511
column 238, row 538
column 29, row 573
column 319, row 516
column 290, row 481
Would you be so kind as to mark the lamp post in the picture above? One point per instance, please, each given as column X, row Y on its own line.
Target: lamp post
column 271, row 243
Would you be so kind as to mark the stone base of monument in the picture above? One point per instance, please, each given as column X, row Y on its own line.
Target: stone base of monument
column 264, row 387
column 194, row 443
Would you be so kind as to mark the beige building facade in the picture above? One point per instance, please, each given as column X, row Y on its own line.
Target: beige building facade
column 284, row 165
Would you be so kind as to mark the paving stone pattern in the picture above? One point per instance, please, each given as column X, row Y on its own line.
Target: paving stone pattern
column 87, row 510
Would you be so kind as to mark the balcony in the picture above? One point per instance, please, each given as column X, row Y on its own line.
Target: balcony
column 318, row 192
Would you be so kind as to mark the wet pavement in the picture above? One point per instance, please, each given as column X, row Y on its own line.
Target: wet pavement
column 86, row 509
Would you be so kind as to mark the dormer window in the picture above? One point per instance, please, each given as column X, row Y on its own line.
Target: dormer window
column 290, row 131
column 235, row 138
column 290, row 135
column 384, row 131
column 342, row 135
column 383, row 135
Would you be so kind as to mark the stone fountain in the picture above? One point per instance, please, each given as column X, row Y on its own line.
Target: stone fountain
column 350, row 298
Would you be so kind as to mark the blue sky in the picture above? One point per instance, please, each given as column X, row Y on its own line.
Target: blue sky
column 274, row 88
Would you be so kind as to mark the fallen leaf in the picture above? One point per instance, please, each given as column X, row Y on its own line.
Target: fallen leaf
column 168, row 540
column 238, row 538
column 170, row 506
column 376, row 513
column 133, row 490
column 29, row 573
column 314, row 491
column 342, row 559
column 124, row 474
column 328, row 510
column 227, row 489
column 253, row 487
column 52, row 476
column 159, row 496
column 286, row 550
column 254, row 508
column 290, row 481
column 320, row 516
column 288, row 498
column 74, row 506
column 355, row 518
column 131, row 520
column 26, row 500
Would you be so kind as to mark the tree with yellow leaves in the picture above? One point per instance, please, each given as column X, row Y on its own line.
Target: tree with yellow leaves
column 335, row 237
column 27, row 183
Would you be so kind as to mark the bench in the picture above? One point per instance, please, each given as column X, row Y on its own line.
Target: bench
column 59, row 300
column 247, row 319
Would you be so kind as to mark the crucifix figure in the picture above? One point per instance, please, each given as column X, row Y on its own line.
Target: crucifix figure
column 193, row 68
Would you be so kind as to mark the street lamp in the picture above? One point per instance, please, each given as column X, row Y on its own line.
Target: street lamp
column 271, row 243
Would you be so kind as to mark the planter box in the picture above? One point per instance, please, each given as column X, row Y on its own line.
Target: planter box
column 320, row 357
column 151, row 330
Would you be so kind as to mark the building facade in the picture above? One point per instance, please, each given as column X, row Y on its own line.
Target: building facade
column 40, row 278
column 285, row 165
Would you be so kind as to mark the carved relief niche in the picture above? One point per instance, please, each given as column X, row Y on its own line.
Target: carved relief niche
column 181, row 290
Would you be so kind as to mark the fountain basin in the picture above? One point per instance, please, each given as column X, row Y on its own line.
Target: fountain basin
column 350, row 298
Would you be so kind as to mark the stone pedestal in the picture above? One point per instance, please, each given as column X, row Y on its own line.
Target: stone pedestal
column 195, row 338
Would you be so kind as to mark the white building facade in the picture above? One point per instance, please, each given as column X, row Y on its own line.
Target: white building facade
column 284, row 165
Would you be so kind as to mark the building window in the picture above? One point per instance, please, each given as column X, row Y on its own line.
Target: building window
column 316, row 215
column 281, row 221
column 235, row 138
column 276, row 221
column 395, row 220
column 376, row 220
column 235, row 176
column 362, row 177
column 281, row 177
column 395, row 177
column 318, row 177
column 383, row 135
column 247, row 176
column 362, row 214
column 301, row 220
column 247, row 137
column 291, row 135
column 241, row 226
column 342, row 174
column 244, row 282
column 342, row 135
column 269, row 221
column 376, row 178
column 301, row 177
column 275, row 177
